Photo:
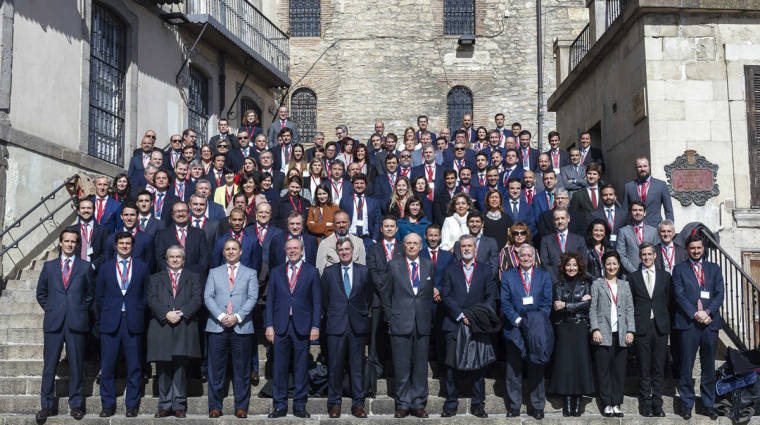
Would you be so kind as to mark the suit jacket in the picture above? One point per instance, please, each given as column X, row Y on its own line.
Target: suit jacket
column 66, row 306
column 196, row 251
column 545, row 225
column 381, row 187
column 152, row 226
column 229, row 137
column 569, row 172
column 444, row 259
column 142, row 249
column 215, row 211
column 517, row 173
column 109, row 298
column 377, row 265
column 265, row 242
column 628, row 245
column 593, row 155
column 564, row 158
column 658, row 196
column 344, row 311
column 679, row 256
column 532, row 159
column 243, row 295
column 305, row 301
column 421, row 170
column 98, row 240
column 210, row 229
column 166, row 207
column 282, row 207
column 136, row 167
column 687, row 291
column 513, row 294
column 111, row 218
column 274, row 130
column 181, row 339
column 252, row 131
column 658, row 303
column 487, row 252
column 551, row 251
column 524, row 213
column 277, row 254
column 441, row 205
column 373, row 213
column 189, row 190
column 621, row 217
column 581, row 202
column 250, row 255
column 540, row 204
column 406, row 311
column 456, row 296
column 599, row 314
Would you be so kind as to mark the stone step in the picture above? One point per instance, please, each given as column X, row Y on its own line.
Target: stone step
column 21, row 320
column 21, row 336
column 22, row 308
column 21, row 351
column 31, row 273
column 21, row 284
column 19, row 295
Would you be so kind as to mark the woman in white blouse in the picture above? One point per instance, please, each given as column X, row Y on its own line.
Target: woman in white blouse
column 455, row 225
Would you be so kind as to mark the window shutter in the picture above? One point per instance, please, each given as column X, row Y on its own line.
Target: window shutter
column 752, row 77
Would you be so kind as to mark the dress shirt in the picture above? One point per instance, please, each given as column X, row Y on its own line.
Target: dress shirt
column 649, row 280
column 350, row 269
column 237, row 270
column 118, row 271
column 613, row 307
column 409, row 269
column 364, row 219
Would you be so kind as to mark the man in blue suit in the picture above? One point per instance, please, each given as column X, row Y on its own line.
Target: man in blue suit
column 382, row 187
column 462, row 157
column 544, row 200
column 141, row 157
column 494, row 144
column 230, row 295
column 294, row 306
column 92, row 236
column 182, row 188
column 524, row 289
column 181, row 233
column 516, row 207
column 251, row 251
column 143, row 248
column 512, row 168
column 698, row 289
column 528, row 156
column 65, row 292
column 120, row 297
column 465, row 283
column 214, row 211
column 363, row 211
column 432, row 172
column 106, row 208
column 294, row 231
column 146, row 221
column 440, row 259
column 347, row 325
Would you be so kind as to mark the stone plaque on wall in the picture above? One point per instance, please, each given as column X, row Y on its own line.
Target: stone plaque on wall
column 692, row 179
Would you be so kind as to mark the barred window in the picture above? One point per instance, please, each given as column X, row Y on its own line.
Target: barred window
column 108, row 64
column 304, row 18
column 752, row 80
column 303, row 110
column 197, row 105
column 459, row 102
column 459, row 17
column 247, row 103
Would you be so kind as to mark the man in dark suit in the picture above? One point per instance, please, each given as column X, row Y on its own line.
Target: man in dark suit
column 494, row 144
column 294, row 305
column 616, row 217
column 465, row 283
column 282, row 152
column 215, row 174
column 652, row 192
column 181, row 186
column 486, row 250
column 120, row 297
column 586, row 200
column 518, row 208
column 65, row 290
column 143, row 247
column 698, row 290
column 141, row 157
column 462, row 157
column 558, row 157
column 266, row 163
column 250, row 255
column 174, row 153
column 588, row 153
column 546, row 225
column 406, row 303
column 528, row 157
column 163, row 198
column 544, row 200
column 292, row 201
column 189, row 238
column 350, row 292
column 198, row 219
column 106, row 208
column 146, row 221
column 512, row 168
column 214, row 211
column 294, row 230
column 668, row 252
column 279, row 124
column 440, row 259
column 92, row 236
column 319, row 142
column 175, row 297
column 651, row 290
column 443, row 196
column 382, row 184
column 224, row 134
column 432, row 172
column 363, row 211
column 559, row 242
column 524, row 289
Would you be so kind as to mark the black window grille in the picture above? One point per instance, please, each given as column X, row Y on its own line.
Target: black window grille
column 459, row 17
column 247, row 103
column 108, row 63
column 304, row 18
column 459, row 102
column 197, row 105
column 303, row 110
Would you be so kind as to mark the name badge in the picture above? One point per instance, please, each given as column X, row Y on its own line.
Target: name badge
column 705, row 295
column 123, row 292
column 527, row 300
column 90, row 250
column 359, row 222
column 613, row 238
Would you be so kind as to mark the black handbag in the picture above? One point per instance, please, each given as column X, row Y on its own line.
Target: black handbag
column 471, row 351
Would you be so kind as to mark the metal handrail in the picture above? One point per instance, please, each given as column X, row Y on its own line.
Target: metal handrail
column 580, row 47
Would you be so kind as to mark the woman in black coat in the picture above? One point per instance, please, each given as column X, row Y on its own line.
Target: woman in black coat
column 571, row 373
column 597, row 243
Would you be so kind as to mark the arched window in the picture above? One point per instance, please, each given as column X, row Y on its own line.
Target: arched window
column 247, row 103
column 108, row 64
column 459, row 102
column 304, row 18
column 459, row 17
column 197, row 104
column 303, row 110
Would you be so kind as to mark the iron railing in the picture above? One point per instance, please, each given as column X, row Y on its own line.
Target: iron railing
column 248, row 24
column 580, row 47
column 459, row 17
column 615, row 8
column 741, row 303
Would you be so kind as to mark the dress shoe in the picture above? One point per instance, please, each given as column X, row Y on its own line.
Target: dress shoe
column 538, row 414
column 179, row 414
column 567, row 408
column 131, row 412
column 162, row 413
column 447, row 413
column 420, row 413
column 370, row 394
column 401, row 413
column 77, row 413
column 42, row 415
column 709, row 411
column 617, row 412
column 359, row 412
column 479, row 411
column 214, row 414
column 277, row 413
column 513, row 413
column 301, row 413
column 333, row 411
column 686, row 414
column 255, row 378
column 107, row 413
column 240, row 413
column 657, row 412
column 577, row 405
column 607, row 412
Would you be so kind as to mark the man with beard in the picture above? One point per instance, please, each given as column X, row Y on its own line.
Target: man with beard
column 327, row 254
column 652, row 192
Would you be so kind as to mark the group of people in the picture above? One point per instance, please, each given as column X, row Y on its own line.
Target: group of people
column 384, row 253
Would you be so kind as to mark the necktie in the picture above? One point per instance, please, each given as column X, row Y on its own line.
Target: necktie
column 514, row 208
column 639, row 233
column 282, row 124
column 360, row 215
column 124, row 275
column 346, row 281
column 174, row 284
column 66, row 273
column 562, row 242
column 610, row 219
column 593, row 197
column 698, row 272
column 197, row 223
column 143, row 223
column 434, row 256
column 293, row 277
column 182, row 237
column 526, row 277
column 389, row 250
column 650, row 284
column 415, row 276
column 529, row 194
column 85, row 241
column 159, row 205
column 551, row 200
column 181, row 190
column 100, row 209
column 232, row 283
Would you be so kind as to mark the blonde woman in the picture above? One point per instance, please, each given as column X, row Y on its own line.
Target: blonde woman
column 402, row 192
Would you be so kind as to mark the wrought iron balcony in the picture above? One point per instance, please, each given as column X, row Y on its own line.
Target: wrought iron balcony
column 580, row 47
column 615, row 8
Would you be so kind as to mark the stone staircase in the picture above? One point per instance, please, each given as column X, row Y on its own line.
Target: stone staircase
column 21, row 367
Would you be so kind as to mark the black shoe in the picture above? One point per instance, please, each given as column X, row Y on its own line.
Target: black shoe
column 107, row 413
column 278, row 413
column 709, row 411
column 42, row 416
column 301, row 413
column 447, row 413
column 479, row 411
column 686, row 414
column 77, row 414
column 255, row 378
column 538, row 414
column 513, row 413
column 658, row 413
column 204, row 378
column 132, row 412
column 577, row 405
column 567, row 409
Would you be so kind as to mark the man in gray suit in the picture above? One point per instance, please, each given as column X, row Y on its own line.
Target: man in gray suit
column 231, row 293
column 281, row 122
column 486, row 248
column 407, row 297
column 653, row 193
column 573, row 176
column 633, row 235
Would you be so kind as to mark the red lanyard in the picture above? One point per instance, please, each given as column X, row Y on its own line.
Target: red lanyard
column 643, row 189
column 612, row 294
column 229, row 191
column 555, row 158
column 600, row 253
column 409, row 269
column 178, row 192
column 699, row 272
column 526, row 285
column 250, row 130
column 87, row 235
column 472, row 273
column 180, row 240
column 466, row 189
column 316, row 181
column 174, row 282
column 392, row 180
column 359, row 206
column 430, row 172
column 261, row 235
column 64, row 275
column 290, row 198
column 400, row 208
column 294, row 277
column 669, row 259
column 286, row 152
column 238, row 237
column 338, row 190
column 202, row 223
column 124, row 278
column 388, row 255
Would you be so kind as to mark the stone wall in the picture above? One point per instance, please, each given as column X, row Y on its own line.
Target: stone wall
column 390, row 61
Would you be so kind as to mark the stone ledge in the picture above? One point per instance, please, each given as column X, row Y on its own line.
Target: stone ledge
column 747, row 217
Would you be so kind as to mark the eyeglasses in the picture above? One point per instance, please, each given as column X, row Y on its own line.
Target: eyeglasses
column 222, row 146
column 180, row 211
column 242, row 138
column 520, row 233
column 406, row 156
column 458, row 149
column 173, row 140
column 152, row 136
